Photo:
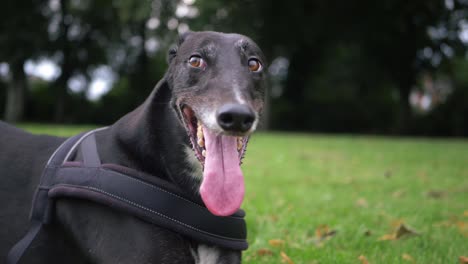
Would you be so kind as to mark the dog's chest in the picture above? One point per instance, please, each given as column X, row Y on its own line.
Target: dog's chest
column 206, row 255
column 194, row 167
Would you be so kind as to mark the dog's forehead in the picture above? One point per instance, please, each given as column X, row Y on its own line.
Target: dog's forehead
column 210, row 42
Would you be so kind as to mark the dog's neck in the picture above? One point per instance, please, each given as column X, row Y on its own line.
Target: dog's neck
column 152, row 139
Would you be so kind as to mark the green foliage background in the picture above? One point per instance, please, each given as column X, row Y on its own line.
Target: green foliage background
column 350, row 66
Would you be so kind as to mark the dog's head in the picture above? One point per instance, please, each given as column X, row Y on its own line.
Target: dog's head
column 218, row 87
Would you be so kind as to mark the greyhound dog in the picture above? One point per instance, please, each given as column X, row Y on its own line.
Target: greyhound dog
column 191, row 131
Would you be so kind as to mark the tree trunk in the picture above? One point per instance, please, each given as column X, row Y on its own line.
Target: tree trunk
column 60, row 85
column 60, row 88
column 16, row 95
column 300, row 67
column 266, row 115
column 404, row 113
column 139, row 77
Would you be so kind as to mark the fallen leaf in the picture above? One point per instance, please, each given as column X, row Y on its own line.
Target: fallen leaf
column 388, row 174
column 397, row 222
column 276, row 242
column 408, row 257
column 361, row 202
column 323, row 232
column 363, row 259
column 401, row 231
column 462, row 227
column 436, row 194
column 274, row 218
column 264, row 252
column 465, row 213
column 404, row 230
column 463, row 260
column 398, row 193
column 387, row 237
column 368, row 233
column 446, row 223
column 285, row 258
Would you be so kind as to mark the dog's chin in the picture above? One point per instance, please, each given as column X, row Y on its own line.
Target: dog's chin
column 195, row 130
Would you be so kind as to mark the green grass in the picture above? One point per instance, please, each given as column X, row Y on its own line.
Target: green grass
column 358, row 186
column 57, row 130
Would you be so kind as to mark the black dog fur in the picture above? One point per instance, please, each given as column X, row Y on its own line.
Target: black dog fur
column 152, row 139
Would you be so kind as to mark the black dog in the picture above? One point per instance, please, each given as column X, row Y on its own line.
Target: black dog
column 192, row 131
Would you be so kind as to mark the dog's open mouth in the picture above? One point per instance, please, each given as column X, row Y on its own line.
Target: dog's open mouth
column 196, row 129
column 220, row 155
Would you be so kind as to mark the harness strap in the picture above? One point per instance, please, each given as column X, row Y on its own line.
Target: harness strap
column 42, row 206
column 18, row 250
column 89, row 152
column 41, row 209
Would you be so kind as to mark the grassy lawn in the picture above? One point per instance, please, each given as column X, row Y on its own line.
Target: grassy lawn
column 58, row 130
column 339, row 199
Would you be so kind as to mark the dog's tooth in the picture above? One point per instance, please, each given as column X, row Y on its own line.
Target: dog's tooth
column 204, row 153
column 201, row 142
column 199, row 130
column 239, row 143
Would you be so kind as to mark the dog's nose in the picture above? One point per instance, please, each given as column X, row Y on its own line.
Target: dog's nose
column 235, row 117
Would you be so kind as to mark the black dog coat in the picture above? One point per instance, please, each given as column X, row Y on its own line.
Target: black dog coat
column 130, row 191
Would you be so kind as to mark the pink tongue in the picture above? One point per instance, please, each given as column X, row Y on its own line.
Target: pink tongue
column 222, row 189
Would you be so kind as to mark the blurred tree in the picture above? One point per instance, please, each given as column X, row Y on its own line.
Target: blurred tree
column 23, row 27
column 135, row 34
column 450, row 117
column 129, row 37
column 335, row 66
column 147, row 29
column 80, row 33
column 391, row 35
column 394, row 33
column 2, row 96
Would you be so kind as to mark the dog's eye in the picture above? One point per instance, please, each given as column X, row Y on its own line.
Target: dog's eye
column 255, row 65
column 197, row 62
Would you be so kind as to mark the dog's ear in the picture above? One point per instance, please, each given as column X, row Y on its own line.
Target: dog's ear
column 173, row 51
column 172, row 54
column 184, row 36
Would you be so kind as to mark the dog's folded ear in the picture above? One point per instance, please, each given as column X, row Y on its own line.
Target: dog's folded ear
column 173, row 51
column 172, row 54
column 183, row 36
